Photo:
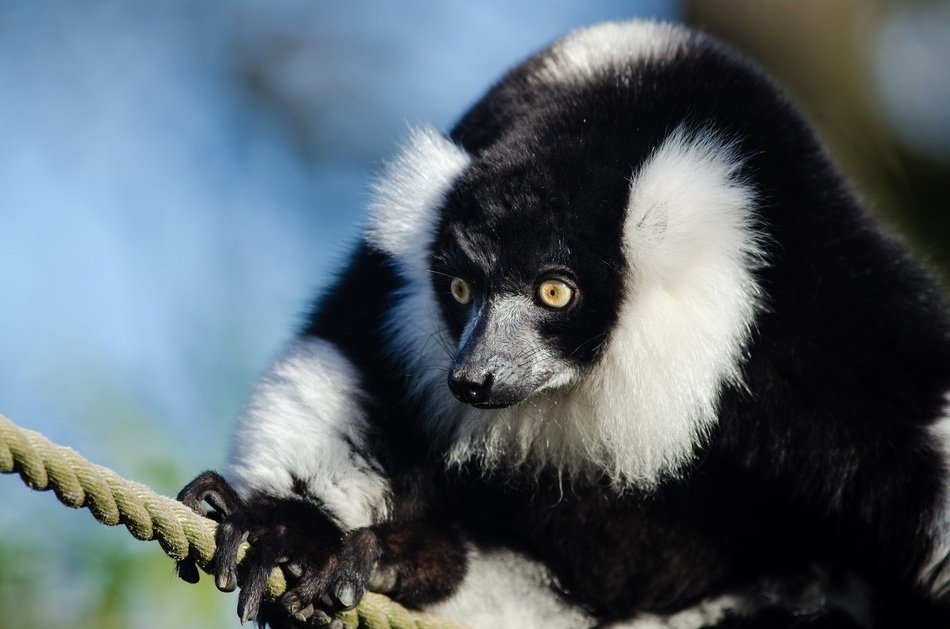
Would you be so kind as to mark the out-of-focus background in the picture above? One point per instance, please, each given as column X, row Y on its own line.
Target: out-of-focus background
column 178, row 178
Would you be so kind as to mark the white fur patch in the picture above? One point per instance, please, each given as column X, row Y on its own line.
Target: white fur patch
column 707, row 613
column 505, row 589
column 692, row 251
column 305, row 420
column 585, row 53
column 407, row 197
column 935, row 574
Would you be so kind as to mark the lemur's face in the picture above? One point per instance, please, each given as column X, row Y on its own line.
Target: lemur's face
column 528, row 280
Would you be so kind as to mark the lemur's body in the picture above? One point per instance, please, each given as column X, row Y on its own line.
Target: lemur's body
column 701, row 379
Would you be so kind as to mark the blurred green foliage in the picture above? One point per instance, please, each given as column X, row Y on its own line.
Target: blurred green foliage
column 101, row 579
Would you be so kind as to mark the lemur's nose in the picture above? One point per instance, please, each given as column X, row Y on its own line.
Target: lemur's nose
column 470, row 390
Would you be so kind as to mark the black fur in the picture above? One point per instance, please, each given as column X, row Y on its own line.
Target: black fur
column 822, row 460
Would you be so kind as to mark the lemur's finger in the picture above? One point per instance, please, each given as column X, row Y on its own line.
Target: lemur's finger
column 310, row 588
column 224, row 563
column 256, row 568
column 187, row 570
column 211, row 488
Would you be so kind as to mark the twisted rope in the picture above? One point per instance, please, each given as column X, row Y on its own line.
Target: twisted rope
column 181, row 532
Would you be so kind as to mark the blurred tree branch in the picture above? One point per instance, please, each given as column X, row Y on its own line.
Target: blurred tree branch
column 820, row 51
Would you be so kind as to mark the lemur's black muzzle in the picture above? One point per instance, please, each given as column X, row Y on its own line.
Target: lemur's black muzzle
column 475, row 391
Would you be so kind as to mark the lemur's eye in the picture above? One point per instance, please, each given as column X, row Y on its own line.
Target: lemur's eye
column 460, row 290
column 555, row 293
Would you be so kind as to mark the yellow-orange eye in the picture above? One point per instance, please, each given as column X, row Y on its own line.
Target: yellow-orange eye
column 460, row 290
column 555, row 293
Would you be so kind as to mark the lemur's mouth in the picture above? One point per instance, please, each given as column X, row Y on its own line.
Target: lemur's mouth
column 483, row 392
column 492, row 405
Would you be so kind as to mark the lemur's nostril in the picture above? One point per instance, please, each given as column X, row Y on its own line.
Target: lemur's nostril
column 469, row 390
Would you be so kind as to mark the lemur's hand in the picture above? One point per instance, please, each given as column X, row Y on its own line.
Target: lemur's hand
column 327, row 570
column 211, row 489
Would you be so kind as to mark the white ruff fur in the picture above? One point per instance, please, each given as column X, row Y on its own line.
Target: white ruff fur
column 586, row 52
column 305, row 417
column 935, row 574
column 692, row 251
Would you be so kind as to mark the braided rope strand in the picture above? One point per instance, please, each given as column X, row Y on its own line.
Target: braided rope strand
column 114, row 500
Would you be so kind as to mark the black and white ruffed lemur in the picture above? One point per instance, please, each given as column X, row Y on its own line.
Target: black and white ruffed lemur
column 621, row 349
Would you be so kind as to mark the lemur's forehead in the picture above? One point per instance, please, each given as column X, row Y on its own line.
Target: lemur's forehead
column 520, row 218
column 493, row 190
column 516, row 244
column 466, row 245
column 545, row 192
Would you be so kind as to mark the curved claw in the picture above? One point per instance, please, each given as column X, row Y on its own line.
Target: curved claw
column 347, row 593
column 309, row 587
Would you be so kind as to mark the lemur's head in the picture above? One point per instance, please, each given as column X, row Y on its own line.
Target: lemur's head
column 528, row 274
column 580, row 254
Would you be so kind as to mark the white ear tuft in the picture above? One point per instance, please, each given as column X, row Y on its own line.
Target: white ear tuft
column 406, row 199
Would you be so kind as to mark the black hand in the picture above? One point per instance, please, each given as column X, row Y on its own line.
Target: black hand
column 211, row 489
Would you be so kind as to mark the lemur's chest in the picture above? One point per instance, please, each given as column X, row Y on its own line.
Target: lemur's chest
column 617, row 554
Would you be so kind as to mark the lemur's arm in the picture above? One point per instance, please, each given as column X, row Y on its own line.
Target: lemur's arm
column 311, row 494
column 329, row 569
column 316, row 486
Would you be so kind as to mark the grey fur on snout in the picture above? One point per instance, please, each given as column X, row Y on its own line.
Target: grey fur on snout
column 502, row 349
